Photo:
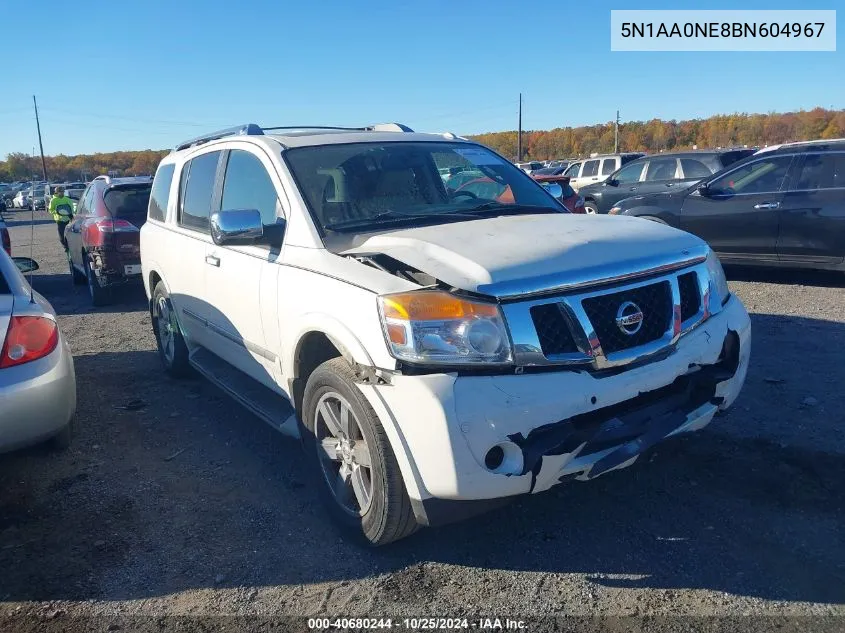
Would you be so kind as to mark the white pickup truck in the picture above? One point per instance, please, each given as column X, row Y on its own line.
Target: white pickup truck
column 438, row 350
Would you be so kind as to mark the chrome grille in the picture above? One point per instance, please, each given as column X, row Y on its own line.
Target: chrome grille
column 655, row 302
column 579, row 327
column 553, row 330
column 690, row 295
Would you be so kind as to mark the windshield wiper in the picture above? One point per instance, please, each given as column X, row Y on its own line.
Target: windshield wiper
column 391, row 215
column 481, row 209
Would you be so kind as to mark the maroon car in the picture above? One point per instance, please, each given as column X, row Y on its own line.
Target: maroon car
column 568, row 196
column 103, row 237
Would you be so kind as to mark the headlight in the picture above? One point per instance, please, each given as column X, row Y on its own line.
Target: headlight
column 614, row 211
column 719, row 291
column 430, row 326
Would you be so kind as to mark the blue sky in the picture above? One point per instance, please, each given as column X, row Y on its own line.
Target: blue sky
column 147, row 75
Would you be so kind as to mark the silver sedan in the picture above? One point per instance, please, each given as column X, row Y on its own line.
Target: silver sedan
column 37, row 379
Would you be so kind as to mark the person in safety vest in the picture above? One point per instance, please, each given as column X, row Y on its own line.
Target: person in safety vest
column 61, row 208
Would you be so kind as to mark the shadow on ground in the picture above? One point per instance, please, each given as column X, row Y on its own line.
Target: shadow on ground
column 170, row 486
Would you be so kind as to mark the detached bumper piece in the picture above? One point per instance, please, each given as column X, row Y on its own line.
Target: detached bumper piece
column 625, row 430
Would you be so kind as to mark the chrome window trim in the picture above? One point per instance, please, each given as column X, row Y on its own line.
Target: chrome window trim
column 526, row 343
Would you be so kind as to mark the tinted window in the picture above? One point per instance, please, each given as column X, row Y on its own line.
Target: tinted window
column 694, row 168
column 629, row 173
column 822, row 171
column 572, row 171
column 128, row 204
column 661, row 169
column 591, row 168
column 161, row 192
column 198, row 186
column 248, row 186
column 761, row 176
column 608, row 166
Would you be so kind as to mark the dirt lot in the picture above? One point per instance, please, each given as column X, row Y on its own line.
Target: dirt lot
column 173, row 500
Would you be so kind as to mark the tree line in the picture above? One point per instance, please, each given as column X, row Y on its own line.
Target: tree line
column 564, row 142
column 725, row 130
column 19, row 166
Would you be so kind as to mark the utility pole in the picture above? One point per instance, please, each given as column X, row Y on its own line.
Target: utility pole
column 519, row 134
column 40, row 146
column 616, row 135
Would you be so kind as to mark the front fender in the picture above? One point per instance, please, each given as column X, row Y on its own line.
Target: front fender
column 349, row 345
column 653, row 211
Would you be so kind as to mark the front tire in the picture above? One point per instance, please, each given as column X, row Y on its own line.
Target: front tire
column 591, row 207
column 359, row 477
column 171, row 345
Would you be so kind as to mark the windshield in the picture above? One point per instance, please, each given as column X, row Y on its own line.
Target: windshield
column 368, row 184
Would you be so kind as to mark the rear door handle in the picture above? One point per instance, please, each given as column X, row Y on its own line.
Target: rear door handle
column 767, row 205
column 211, row 260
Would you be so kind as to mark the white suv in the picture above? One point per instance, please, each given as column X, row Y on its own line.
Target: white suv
column 438, row 350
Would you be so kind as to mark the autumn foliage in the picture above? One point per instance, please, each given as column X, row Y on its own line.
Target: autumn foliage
column 563, row 142
column 657, row 135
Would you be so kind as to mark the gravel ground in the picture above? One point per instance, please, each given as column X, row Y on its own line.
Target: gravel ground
column 189, row 505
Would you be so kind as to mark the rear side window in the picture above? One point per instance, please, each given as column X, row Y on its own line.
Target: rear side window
column 694, row 168
column 822, row 171
column 591, row 168
column 197, row 190
column 661, row 169
column 160, row 195
column 128, row 204
column 608, row 166
column 248, row 186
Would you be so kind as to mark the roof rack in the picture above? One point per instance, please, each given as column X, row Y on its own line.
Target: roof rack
column 248, row 129
column 820, row 141
column 251, row 129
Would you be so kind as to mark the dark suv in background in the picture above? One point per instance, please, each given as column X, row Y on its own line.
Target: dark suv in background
column 104, row 236
column 657, row 173
column 782, row 206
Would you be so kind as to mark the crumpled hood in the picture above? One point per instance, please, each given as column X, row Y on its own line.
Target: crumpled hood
column 523, row 254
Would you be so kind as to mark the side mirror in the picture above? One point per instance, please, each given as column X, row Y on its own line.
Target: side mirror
column 238, row 226
column 25, row 264
column 554, row 189
column 703, row 189
column 611, row 182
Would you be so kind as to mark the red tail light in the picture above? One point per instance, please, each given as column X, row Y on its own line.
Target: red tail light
column 108, row 225
column 99, row 232
column 29, row 338
column 6, row 240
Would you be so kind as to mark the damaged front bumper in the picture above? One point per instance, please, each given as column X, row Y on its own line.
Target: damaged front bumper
column 470, row 440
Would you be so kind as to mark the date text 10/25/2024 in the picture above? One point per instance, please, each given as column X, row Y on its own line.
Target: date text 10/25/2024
column 417, row 624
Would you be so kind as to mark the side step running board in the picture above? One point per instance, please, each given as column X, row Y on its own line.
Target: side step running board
column 274, row 409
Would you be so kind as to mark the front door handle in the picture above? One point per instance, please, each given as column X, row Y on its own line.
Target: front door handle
column 632, row 189
column 211, row 260
column 767, row 205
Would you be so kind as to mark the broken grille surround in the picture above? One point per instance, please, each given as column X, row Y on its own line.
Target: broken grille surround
column 590, row 354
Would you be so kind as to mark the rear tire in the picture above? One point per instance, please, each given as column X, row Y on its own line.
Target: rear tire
column 76, row 277
column 172, row 349
column 342, row 435
column 99, row 296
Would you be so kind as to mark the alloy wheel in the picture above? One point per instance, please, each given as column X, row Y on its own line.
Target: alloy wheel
column 166, row 329
column 344, row 454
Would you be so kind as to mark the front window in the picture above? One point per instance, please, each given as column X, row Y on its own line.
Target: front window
column 629, row 173
column 362, row 186
column 762, row 176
